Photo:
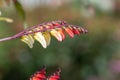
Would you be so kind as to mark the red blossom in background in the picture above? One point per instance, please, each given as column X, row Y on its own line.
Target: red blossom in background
column 42, row 33
column 41, row 75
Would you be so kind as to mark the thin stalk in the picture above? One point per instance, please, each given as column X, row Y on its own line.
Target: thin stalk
column 6, row 39
column 11, row 37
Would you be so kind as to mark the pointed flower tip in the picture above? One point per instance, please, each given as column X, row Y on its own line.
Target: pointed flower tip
column 59, row 70
column 47, row 37
column 70, row 32
column 75, row 30
column 82, row 30
column 56, row 34
column 28, row 40
column 86, row 31
column 62, row 34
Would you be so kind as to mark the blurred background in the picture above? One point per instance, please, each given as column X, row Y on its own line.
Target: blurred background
column 93, row 56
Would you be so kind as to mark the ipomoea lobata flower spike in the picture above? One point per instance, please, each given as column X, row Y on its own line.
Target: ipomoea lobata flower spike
column 42, row 32
column 41, row 75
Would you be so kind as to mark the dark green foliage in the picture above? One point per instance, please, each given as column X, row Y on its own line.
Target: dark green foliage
column 19, row 9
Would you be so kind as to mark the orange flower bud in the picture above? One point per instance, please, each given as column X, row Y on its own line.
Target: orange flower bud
column 70, row 32
column 61, row 31
column 56, row 34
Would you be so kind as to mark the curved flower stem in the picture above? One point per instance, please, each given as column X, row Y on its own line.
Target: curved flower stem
column 23, row 33
column 11, row 37
column 5, row 39
column 45, row 27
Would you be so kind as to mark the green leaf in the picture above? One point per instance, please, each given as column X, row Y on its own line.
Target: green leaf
column 19, row 9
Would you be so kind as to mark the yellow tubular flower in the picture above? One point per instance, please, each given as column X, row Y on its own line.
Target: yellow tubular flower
column 56, row 34
column 40, row 38
column 47, row 37
column 28, row 40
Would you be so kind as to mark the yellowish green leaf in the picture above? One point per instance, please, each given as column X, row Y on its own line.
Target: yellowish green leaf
column 9, row 20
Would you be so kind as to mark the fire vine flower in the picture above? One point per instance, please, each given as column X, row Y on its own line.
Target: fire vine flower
column 42, row 33
column 41, row 75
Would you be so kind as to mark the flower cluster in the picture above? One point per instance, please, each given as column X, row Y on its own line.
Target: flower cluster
column 42, row 33
column 41, row 75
